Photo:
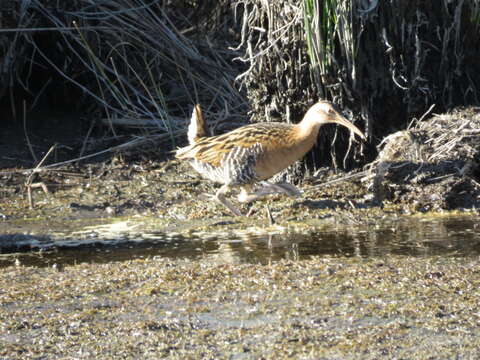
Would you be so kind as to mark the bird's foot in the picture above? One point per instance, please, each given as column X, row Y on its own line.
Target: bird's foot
column 251, row 211
column 270, row 218
column 205, row 196
column 230, row 207
column 221, row 200
column 220, row 197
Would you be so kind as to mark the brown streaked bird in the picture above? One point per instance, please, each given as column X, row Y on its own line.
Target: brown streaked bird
column 253, row 153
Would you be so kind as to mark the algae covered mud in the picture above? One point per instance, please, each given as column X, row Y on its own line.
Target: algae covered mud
column 402, row 287
column 326, row 307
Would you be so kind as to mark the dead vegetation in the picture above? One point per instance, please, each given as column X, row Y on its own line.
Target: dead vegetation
column 141, row 66
column 435, row 164
column 137, row 64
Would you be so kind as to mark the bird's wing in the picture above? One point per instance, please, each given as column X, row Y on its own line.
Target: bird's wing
column 259, row 138
column 214, row 150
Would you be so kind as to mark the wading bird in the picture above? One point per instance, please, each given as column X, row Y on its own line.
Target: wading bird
column 253, row 153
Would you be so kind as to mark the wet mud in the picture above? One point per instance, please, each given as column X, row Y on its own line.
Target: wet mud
column 329, row 307
column 124, row 259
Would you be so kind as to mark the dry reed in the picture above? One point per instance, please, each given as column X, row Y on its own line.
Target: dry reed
column 146, row 63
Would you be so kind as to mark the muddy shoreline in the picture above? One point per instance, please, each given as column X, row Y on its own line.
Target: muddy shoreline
column 169, row 191
column 349, row 308
column 120, row 202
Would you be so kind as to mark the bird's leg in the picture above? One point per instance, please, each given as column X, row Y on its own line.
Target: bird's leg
column 285, row 188
column 220, row 197
column 267, row 189
column 244, row 196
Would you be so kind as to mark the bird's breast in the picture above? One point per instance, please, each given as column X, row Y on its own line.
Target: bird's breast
column 282, row 155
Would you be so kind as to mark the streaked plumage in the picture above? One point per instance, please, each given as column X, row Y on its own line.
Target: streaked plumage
column 254, row 153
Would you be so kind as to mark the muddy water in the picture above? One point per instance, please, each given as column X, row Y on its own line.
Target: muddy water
column 414, row 236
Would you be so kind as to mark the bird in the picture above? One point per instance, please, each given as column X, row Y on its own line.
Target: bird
column 251, row 154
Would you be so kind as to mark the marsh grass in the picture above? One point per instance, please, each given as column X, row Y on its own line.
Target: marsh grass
column 383, row 62
column 393, row 45
column 148, row 70
column 321, row 22
column 144, row 64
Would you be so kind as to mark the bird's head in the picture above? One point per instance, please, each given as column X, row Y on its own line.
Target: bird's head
column 324, row 112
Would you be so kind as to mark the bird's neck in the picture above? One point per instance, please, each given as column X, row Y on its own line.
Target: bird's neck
column 307, row 130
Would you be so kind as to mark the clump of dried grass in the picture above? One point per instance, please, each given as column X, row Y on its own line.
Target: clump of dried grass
column 452, row 136
column 437, row 161
column 144, row 64
column 149, row 64
column 447, row 140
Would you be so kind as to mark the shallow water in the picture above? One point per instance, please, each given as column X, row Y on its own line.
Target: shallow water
column 417, row 236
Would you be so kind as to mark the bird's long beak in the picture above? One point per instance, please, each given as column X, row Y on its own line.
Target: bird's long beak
column 339, row 119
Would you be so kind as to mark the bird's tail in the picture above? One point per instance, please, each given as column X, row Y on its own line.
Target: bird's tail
column 197, row 128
